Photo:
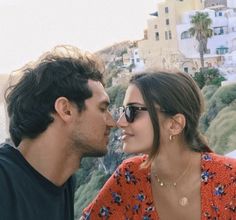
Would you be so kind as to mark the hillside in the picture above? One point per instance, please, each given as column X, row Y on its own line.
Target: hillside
column 218, row 122
column 108, row 54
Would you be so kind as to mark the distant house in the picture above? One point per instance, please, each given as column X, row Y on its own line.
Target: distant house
column 133, row 60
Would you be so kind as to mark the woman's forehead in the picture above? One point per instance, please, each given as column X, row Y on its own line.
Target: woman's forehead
column 133, row 95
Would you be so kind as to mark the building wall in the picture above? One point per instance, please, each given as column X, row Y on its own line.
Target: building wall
column 161, row 46
column 230, row 59
column 231, row 3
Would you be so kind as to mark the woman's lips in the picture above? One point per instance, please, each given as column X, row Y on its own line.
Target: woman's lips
column 126, row 135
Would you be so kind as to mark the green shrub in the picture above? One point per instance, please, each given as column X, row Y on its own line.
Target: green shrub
column 221, row 98
column 199, row 79
column 222, row 130
column 208, row 92
column 209, row 76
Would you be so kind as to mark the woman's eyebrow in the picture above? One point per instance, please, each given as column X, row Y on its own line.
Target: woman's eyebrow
column 134, row 103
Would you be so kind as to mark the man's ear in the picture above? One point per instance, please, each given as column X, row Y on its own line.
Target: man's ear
column 63, row 108
column 178, row 123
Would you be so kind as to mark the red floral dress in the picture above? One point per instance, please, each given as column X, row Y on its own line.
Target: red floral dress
column 127, row 195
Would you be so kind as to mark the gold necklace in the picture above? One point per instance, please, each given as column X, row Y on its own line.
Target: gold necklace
column 174, row 184
column 183, row 201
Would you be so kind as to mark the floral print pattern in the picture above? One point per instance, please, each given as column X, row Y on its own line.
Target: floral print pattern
column 127, row 194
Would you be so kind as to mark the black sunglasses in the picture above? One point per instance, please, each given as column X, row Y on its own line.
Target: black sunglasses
column 131, row 111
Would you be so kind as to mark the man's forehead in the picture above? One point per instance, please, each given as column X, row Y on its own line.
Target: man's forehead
column 93, row 84
column 98, row 91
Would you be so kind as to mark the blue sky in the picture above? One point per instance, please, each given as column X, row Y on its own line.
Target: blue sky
column 31, row 27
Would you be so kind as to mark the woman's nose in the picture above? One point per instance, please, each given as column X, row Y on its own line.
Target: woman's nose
column 122, row 122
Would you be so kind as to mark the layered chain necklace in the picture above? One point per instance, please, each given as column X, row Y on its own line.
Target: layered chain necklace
column 183, row 201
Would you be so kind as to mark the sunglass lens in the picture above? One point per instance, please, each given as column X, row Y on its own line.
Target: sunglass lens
column 129, row 113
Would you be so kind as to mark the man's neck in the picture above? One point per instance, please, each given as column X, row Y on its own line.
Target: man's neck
column 51, row 158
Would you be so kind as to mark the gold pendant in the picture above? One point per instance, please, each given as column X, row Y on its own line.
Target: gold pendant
column 183, row 201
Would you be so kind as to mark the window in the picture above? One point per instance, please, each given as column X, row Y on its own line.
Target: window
column 157, row 35
column 166, row 35
column 218, row 14
column 222, row 50
column 137, row 60
column 155, row 26
column 185, row 35
column 170, row 36
column 220, row 30
column 186, row 69
column 166, row 10
column 167, row 21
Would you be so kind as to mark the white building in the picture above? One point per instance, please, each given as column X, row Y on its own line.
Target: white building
column 221, row 43
column 132, row 59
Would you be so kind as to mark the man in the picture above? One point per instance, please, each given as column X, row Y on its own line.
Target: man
column 58, row 113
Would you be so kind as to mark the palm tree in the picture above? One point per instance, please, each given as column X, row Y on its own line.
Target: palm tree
column 201, row 31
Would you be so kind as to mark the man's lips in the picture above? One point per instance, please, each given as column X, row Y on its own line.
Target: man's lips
column 107, row 133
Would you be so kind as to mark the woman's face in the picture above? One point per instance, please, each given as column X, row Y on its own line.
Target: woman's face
column 137, row 136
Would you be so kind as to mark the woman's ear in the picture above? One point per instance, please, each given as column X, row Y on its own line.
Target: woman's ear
column 63, row 108
column 177, row 124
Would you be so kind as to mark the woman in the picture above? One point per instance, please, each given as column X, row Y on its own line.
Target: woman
column 178, row 177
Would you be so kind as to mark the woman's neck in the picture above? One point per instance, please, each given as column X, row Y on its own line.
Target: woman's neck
column 172, row 160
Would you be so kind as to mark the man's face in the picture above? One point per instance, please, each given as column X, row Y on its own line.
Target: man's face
column 92, row 126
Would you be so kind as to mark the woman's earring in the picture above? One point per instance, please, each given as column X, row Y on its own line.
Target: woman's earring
column 171, row 137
